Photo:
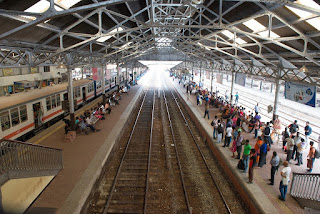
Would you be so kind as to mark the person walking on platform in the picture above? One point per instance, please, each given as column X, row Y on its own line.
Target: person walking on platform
column 206, row 110
column 285, row 135
column 290, row 146
column 266, row 133
column 257, row 108
column 246, row 155
column 252, row 164
column 293, row 127
column 239, row 140
column 236, row 99
column 228, row 137
column 307, row 131
column 275, row 162
column 311, row 156
column 285, row 178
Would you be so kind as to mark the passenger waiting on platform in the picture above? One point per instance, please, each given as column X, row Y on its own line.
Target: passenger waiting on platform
column 214, row 123
column 307, row 131
column 67, row 126
column 257, row 108
column 236, row 99
column 239, row 140
column 228, row 136
column 311, row 156
column 252, row 164
column 275, row 162
column 285, row 135
column 257, row 147
column 285, row 178
column 256, row 128
column 87, row 122
column 263, row 154
column 301, row 148
column 107, row 107
column 293, row 128
column 290, row 146
column 220, row 131
column 297, row 140
column 206, row 110
column 246, row 155
column 266, row 134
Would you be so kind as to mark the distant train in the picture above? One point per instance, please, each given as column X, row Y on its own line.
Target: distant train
column 24, row 114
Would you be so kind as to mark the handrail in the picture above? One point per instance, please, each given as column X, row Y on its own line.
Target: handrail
column 21, row 160
column 306, row 186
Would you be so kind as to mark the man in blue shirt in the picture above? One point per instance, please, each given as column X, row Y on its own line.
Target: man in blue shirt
column 307, row 131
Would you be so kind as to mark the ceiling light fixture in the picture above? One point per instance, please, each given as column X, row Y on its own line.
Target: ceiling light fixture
column 303, row 69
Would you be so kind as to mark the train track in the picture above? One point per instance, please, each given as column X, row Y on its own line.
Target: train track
column 164, row 166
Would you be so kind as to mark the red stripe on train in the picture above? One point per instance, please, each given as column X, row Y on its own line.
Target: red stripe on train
column 19, row 131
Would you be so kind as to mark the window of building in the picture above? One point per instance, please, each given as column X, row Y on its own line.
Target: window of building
column 46, row 68
column 23, row 113
column 53, row 101
column 15, row 119
column 5, row 120
column 48, row 102
column 58, row 100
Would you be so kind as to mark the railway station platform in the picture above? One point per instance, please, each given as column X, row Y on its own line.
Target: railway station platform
column 83, row 158
column 265, row 196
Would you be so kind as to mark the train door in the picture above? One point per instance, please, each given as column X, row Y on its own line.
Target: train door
column 84, row 94
column 115, row 81
column 37, row 114
column 95, row 88
column 65, row 96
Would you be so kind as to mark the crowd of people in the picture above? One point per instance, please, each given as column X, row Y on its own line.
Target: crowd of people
column 234, row 120
column 86, row 122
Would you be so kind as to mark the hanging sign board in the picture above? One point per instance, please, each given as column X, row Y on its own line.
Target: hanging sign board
column 208, row 75
column 7, row 71
column 301, row 93
column 94, row 73
column 33, row 70
column 108, row 72
column 219, row 78
column 240, row 79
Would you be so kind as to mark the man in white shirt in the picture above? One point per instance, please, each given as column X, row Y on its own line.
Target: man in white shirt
column 228, row 138
column 285, row 178
column 257, row 108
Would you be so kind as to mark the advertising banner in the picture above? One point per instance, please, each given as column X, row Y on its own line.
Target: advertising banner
column 33, row 70
column 108, row 71
column 7, row 71
column 240, row 79
column 301, row 93
column 219, row 78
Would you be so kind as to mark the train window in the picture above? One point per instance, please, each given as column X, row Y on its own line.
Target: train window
column 58, row 100
column 5, row 120
column 23, row 113
column 53, row 101
column 48, row 102
column 15, row 120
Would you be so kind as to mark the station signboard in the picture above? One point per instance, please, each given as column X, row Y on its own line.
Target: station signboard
column 300, row 93
column 240, row 79
column 7, row 71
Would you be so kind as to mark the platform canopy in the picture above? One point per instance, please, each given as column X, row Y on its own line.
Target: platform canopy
column 268, row 38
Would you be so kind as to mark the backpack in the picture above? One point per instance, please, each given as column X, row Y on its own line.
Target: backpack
column 293, row 127
column 317, row 154
column 220, row 129
column 267, row 131
column 241, row 164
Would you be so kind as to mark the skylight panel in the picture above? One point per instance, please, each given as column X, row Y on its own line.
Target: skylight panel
column 254, row 25
column 66, row 4
column 266, row 34
column 105, row 38
column 231, row 36
column 315, row 22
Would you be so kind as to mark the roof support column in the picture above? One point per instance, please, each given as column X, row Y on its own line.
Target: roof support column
column 192, row 70
column 117, row 80
column 200, row 75
column 211, row 80
column 71, row 97
column 104, row 99
column 126, row 78
column 233, row 74
column 276, row 99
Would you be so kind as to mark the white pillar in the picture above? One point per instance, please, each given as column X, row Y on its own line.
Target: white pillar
column 211, row 80
column 276, row 100
column 117, row 82
column 233, row 74
column 70, row 97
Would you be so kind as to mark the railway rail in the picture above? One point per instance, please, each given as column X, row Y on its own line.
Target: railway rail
column 164, row 167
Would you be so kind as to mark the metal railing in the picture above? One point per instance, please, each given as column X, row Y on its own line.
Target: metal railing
column 306, row 186
column 23, row 160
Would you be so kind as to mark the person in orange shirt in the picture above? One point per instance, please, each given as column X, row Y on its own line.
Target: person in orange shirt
column 311, row 156
column 257, row 148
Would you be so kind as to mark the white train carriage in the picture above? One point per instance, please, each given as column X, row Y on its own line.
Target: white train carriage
column 23, row 113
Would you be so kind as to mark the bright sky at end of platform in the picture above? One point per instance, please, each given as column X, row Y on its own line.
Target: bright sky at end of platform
column 160, row 65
